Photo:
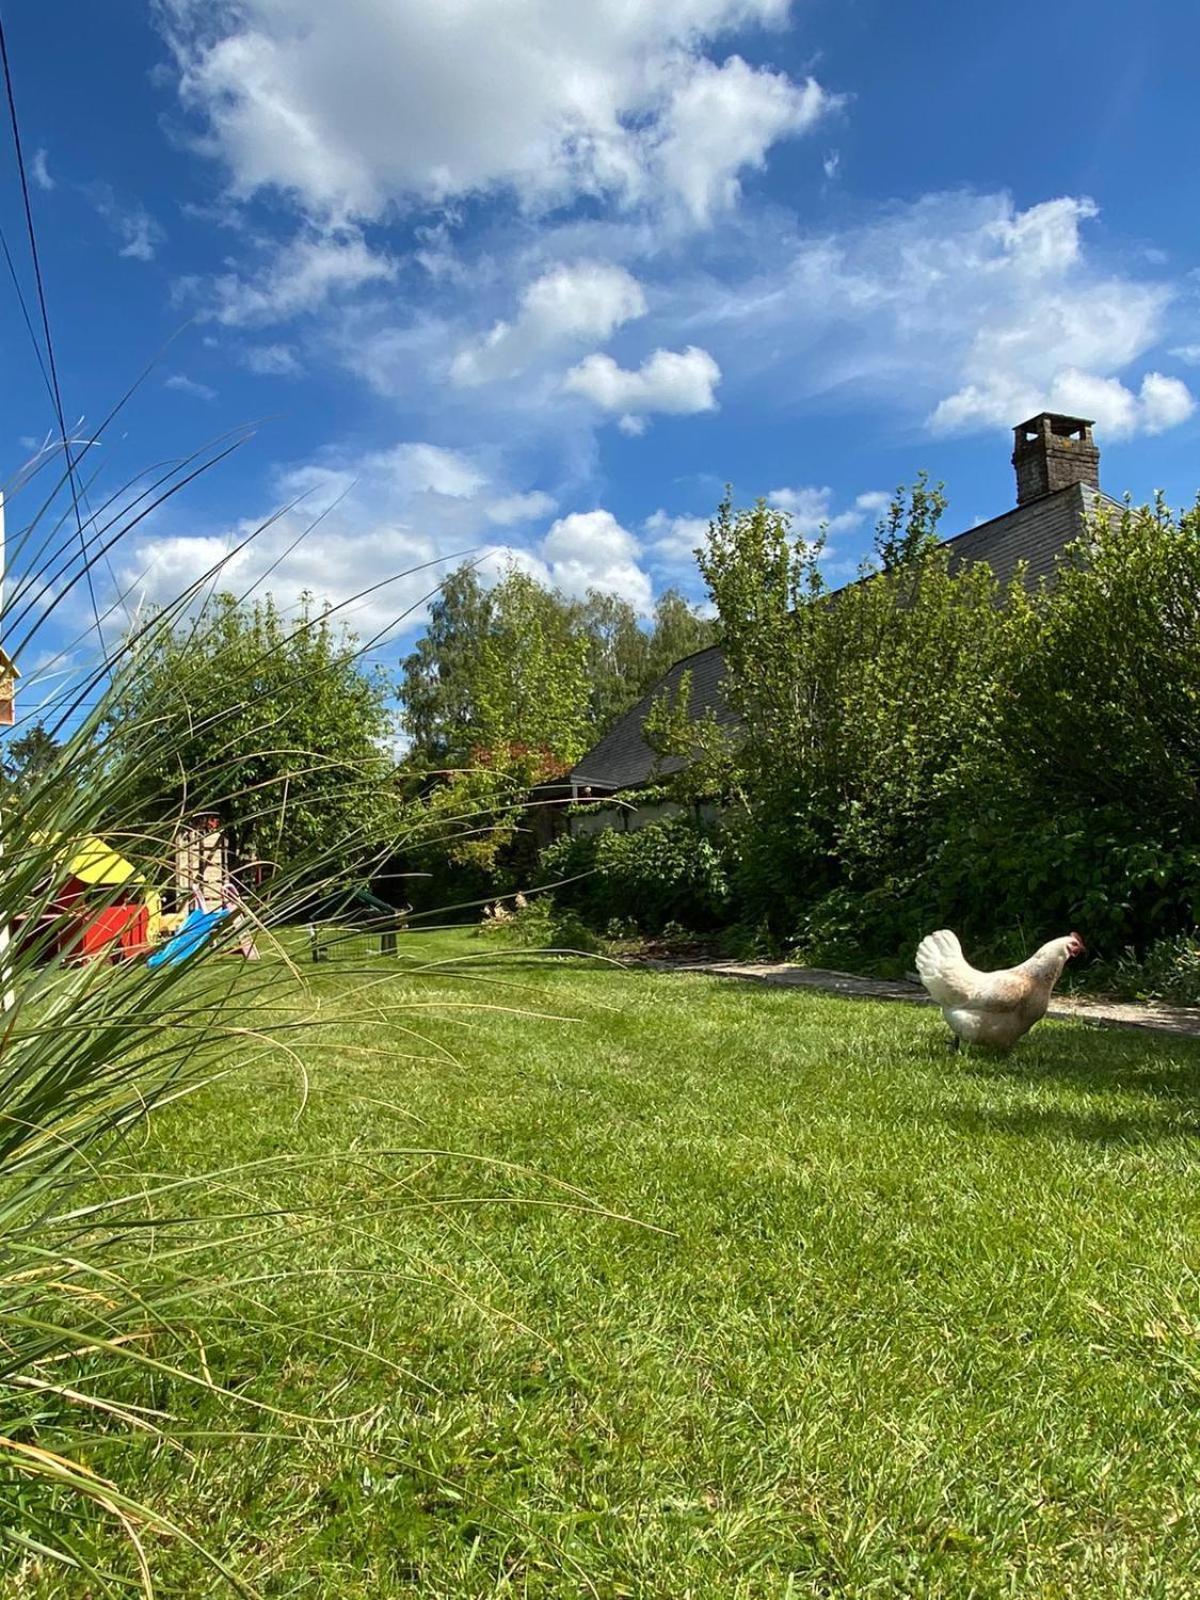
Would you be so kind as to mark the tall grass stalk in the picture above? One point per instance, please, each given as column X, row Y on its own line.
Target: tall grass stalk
column 98, row 1298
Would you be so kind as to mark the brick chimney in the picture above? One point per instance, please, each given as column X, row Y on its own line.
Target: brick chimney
column 1051, row 453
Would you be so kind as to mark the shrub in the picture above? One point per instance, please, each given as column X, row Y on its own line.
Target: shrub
column 925, row 749
column 542, row 925
column 666, row 872
column 1169, row 970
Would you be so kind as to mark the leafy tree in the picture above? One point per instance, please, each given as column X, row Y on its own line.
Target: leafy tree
column 854, row 706
column 438, row 677
column 271, row 725
column 515, row 673
column 908, row 528
column 625, row 659
column 472, row 671
column 529, row 689
column 509, row 686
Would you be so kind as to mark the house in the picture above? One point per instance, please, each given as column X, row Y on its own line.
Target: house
column 1057, row 466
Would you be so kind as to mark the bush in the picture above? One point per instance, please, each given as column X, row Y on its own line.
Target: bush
column 1170, row 970
column 924, row 749
column 542, row 925
column 666, row 872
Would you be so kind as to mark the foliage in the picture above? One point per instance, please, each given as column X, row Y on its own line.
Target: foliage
column 542, row 924
column 921, row 747
column 28, row 757
column 907, row 530
column 696, row 759
column 520, row 662
column 625, row 658
column 440, row 675
column 1169, row 970
column 506, row 690
column 266, row 721
column 664, row 872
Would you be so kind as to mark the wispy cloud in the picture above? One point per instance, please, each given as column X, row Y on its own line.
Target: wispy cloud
column 299, row 278
column 139, row 235
column 39, row 170
column 182, row 384
column 270, row 360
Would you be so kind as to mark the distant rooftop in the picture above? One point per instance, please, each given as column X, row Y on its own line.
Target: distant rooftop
column 1057, row 467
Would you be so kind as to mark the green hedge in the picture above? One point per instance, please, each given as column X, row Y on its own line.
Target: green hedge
column 666, row 872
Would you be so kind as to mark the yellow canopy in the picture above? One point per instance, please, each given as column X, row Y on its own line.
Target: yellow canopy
column 93, row 862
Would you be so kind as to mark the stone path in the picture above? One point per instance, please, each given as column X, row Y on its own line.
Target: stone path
column 1103, row 1013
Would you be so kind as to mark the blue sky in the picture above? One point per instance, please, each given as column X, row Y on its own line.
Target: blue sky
column 530, row 276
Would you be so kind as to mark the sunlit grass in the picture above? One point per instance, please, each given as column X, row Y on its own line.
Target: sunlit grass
column 641, row 1284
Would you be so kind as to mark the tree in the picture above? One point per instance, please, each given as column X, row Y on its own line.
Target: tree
column 28, row 757
column 908, row 528
column 270, row 724
column 695, row 757
column 625, row 659
column 529, row 689
column 438, row 677
column 856, row 706
column 473, row 668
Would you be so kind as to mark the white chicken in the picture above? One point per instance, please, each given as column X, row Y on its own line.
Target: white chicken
column 991, row 1008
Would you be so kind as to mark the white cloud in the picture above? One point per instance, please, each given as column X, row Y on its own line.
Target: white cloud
column 353, row 107
column 1051, row 336
column 521, row 508
column 1187, row 352
column 678, row 382
column 591, row 550
column 873, row 501
column 1117, row 411
column 359, row 523
column 141, row 234
column 585, row 303
column 39, row 171
column 810, row 509
column 270, row 360
column 428, row 468
column 354, row 523
column 722, row 121
column 1165, row 402
column 303, row 275
column 960, row 306
column 675, row 540
column 180, row 382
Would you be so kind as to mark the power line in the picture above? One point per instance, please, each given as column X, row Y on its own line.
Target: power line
column 41, row 292
column 16, row 282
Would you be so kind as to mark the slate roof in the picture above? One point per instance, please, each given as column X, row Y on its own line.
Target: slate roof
column 1035, row 533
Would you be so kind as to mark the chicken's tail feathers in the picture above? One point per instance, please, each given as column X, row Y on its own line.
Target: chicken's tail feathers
column 935, row 949
column 942, row 969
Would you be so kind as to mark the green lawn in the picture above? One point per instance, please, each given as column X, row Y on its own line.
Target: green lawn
column 702, row 1289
